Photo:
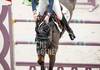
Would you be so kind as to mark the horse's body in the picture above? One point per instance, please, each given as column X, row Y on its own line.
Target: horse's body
column 50, row 44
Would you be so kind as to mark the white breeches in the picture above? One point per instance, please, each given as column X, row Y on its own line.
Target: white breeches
column 56, row 8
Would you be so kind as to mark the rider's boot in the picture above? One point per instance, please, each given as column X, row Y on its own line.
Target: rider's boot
column 67, row 27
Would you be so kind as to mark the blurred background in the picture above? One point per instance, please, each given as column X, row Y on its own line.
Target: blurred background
column 85, row 49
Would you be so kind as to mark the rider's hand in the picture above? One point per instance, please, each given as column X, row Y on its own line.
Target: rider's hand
column 46, row 19
column 35, row 14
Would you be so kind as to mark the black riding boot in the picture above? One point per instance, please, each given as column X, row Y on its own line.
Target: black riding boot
column 67, row 27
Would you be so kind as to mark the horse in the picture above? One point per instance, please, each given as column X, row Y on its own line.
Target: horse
column 48, row 35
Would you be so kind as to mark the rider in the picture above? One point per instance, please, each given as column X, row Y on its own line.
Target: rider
column 53, row 5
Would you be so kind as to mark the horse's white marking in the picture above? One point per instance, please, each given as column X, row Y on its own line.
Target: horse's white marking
column 58, row 26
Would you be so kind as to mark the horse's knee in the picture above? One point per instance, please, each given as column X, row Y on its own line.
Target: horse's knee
column 52, row 57
column 40, row 60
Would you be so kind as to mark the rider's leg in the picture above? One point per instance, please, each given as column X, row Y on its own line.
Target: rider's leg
column 42, row 6
column 67, row 27
column 57, row 10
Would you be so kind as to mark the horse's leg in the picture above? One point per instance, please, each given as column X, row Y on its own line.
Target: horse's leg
column 51, row 61
column 53, row 47
column 41, row 61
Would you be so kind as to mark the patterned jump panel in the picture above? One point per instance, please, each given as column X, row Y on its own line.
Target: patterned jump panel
column 60, row 66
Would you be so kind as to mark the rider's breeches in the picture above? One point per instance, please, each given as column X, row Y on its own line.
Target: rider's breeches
column 56, row 8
